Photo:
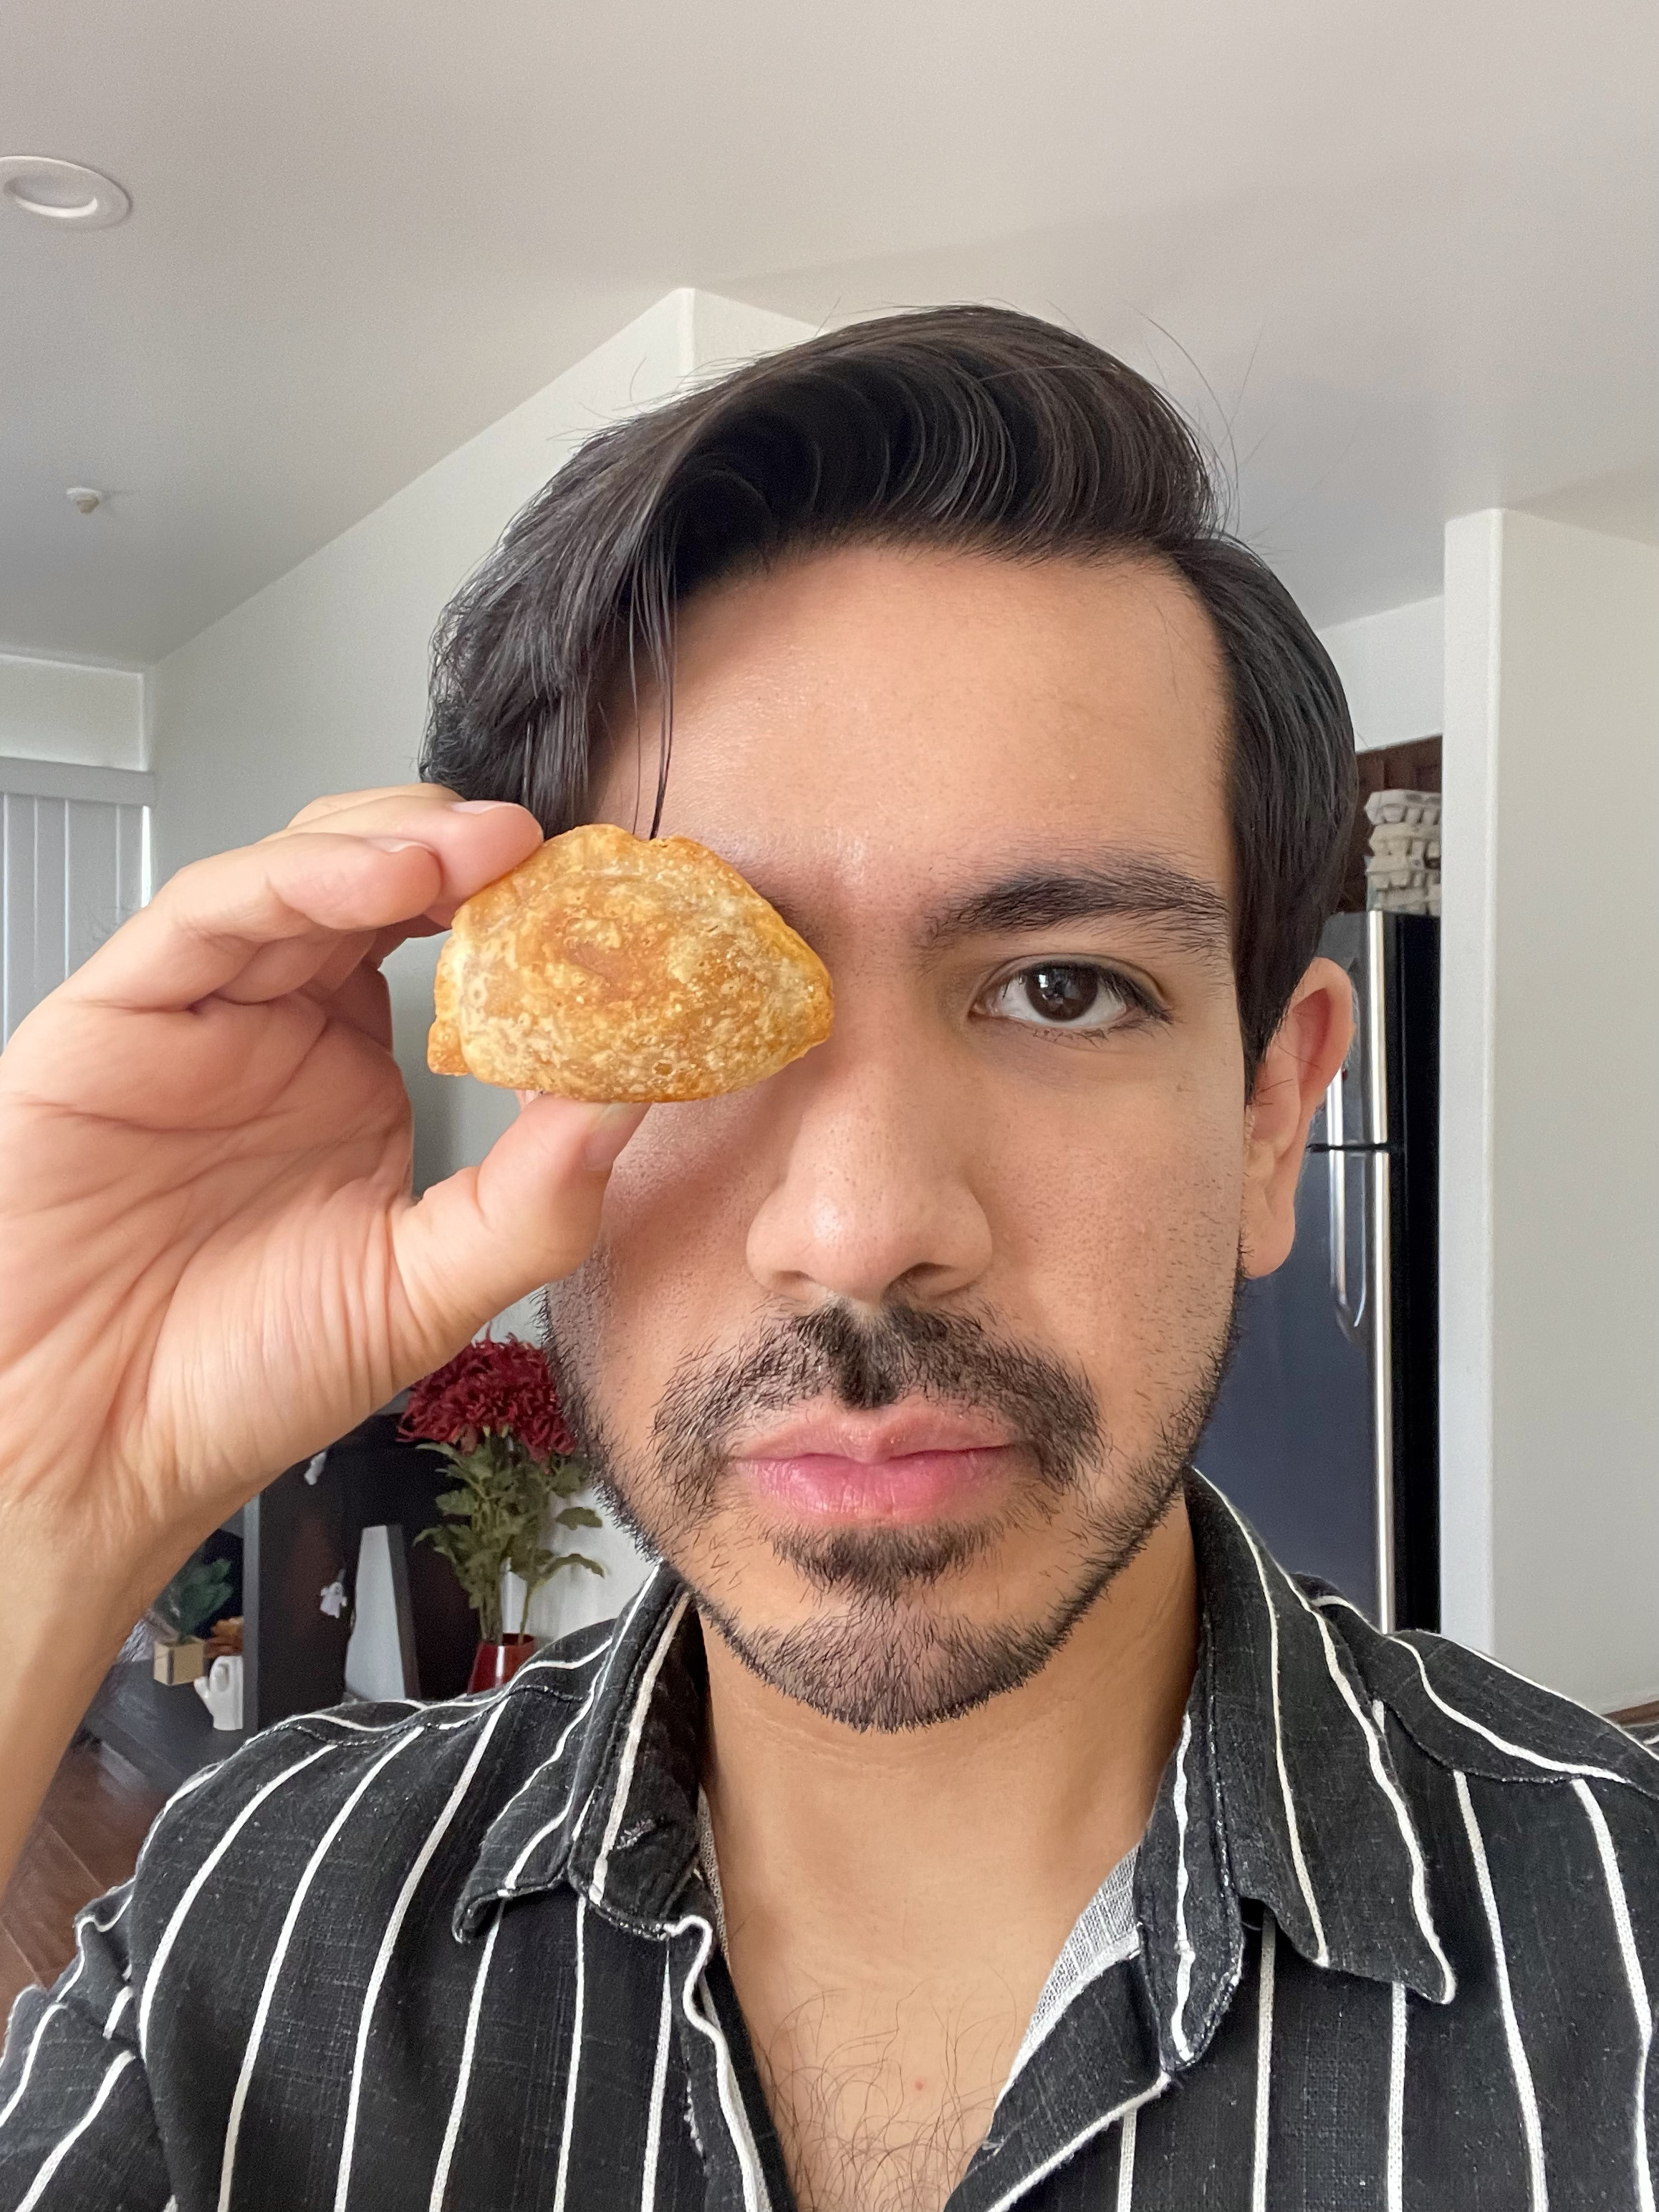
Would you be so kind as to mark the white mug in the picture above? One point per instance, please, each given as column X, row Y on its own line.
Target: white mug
column 220, row 1692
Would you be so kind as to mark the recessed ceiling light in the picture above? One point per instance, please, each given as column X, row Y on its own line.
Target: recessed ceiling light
column 62, row 191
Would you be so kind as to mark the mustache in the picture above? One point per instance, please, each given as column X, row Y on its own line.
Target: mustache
column 903, row 1351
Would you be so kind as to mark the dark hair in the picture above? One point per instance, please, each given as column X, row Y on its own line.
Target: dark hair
column 970, row 427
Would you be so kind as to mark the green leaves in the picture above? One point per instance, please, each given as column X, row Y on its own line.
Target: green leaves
column 495, row 1517
column 196, row 1596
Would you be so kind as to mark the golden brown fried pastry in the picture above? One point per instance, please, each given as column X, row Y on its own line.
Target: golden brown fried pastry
column 607, row 967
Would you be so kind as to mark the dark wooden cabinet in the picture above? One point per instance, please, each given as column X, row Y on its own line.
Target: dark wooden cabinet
column 298, row 1537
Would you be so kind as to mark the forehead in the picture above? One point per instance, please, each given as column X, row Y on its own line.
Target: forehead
column 897, row 717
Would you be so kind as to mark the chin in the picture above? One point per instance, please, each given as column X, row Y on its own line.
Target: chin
column 890, row 1665
column 880, row 1632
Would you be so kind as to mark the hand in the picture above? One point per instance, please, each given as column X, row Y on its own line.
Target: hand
column 211, row 1264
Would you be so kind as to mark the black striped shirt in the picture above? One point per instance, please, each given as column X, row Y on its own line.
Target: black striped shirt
column 1395, row 1926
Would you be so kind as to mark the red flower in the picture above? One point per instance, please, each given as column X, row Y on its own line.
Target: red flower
column 498, row 1383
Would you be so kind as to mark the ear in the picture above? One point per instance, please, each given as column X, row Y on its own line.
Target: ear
column 1307, row 1049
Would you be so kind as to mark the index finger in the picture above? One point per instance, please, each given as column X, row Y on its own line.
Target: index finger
column 376, row 797
column 207, row 923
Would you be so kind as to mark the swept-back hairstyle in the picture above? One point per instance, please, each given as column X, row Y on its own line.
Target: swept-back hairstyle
column 968, row 427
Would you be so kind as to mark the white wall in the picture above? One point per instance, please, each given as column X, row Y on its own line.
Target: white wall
column 1392, row 666
column 317, row 683
column 1550, row 1167
column 67, row 710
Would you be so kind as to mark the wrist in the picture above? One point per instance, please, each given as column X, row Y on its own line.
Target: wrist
column 63, row 1590
column 51, row 1621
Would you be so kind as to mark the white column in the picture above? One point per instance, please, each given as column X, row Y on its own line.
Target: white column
column 1392, row 669
column 1550, row 1123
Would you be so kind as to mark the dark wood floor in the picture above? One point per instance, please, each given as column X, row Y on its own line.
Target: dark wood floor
column 85, row 1841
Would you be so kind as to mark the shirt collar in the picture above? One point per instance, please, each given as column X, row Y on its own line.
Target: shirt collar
column 612, row 1809
column 1281, row 1791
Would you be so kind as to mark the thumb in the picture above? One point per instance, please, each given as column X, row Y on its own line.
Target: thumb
column 528, row 1213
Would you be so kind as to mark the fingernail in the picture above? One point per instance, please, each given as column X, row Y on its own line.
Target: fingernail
column 478, row 805
column 609, row 1133
column 394, row 844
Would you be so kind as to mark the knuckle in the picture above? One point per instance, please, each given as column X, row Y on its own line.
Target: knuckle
column 183, row 887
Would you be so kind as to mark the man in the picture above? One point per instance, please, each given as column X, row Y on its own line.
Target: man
column 967, row 1810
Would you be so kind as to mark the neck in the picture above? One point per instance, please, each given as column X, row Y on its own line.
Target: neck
column 862, row 1859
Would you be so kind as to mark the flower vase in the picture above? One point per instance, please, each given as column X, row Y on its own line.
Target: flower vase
column 496, row 1663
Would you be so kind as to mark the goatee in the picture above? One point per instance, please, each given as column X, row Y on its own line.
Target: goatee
column 887, row 1652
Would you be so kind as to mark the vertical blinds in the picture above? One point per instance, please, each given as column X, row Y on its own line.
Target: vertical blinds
column 74, row 864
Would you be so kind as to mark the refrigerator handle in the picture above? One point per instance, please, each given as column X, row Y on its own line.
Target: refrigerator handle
column 1380, row 1273
column 1350, row 1309
column 1349, row 1302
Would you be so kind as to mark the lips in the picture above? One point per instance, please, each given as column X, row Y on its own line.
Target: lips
column 905, row 1465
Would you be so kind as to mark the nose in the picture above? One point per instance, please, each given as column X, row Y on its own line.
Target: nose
column 875, row 1197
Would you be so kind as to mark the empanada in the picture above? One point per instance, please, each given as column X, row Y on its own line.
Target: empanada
column 609, row 967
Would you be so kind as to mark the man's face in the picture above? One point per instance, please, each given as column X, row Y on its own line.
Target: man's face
column 896, row 1356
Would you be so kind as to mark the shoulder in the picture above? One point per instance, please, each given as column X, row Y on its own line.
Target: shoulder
column 356, row 1784
column 1470, row 1713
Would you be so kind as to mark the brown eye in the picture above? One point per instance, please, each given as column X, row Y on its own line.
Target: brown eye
column 1061, row 994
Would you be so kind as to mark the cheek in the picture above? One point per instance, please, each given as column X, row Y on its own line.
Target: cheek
column 1120, row 1245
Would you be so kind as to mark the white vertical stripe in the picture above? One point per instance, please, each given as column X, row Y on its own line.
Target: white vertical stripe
column 1386, row 1784
column 383, row 1958
column 1531, row 2127
column 285, row 1936
column 124, row 1998
column 83, row 1920
column 557, row 1821
column 1394, row 2178
column 1502, row 1742
column 659, row 2087
column 1186, row 1955
column 1264, row 2064
column 464, row 2072
column 546, row 1663
column 624, row 1622
column 411, row 1706
column 66, row 2143
column 754, row 2195
column 557, row 1752
column 1321, row 1955
column 631, row 1744
column 563, row 2175
column 595, row 1689
column 1636, row 1979
column 1125, row 2111
column 199, row 1880
column 1125, row 2163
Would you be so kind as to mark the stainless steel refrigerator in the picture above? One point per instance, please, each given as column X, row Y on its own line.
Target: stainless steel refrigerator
column 1326, row 1431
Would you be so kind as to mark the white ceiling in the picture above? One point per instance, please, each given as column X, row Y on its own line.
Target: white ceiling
column 1401, row 257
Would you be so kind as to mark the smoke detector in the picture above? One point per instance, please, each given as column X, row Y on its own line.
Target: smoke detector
column 83, row 498
column 65, row 192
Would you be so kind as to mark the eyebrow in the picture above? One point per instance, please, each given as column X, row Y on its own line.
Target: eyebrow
column 1131, row 884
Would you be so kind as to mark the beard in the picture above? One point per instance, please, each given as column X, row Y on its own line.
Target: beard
column 883, row 1647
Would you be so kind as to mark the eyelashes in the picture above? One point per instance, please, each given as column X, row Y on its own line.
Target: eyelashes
column 1072, row 998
